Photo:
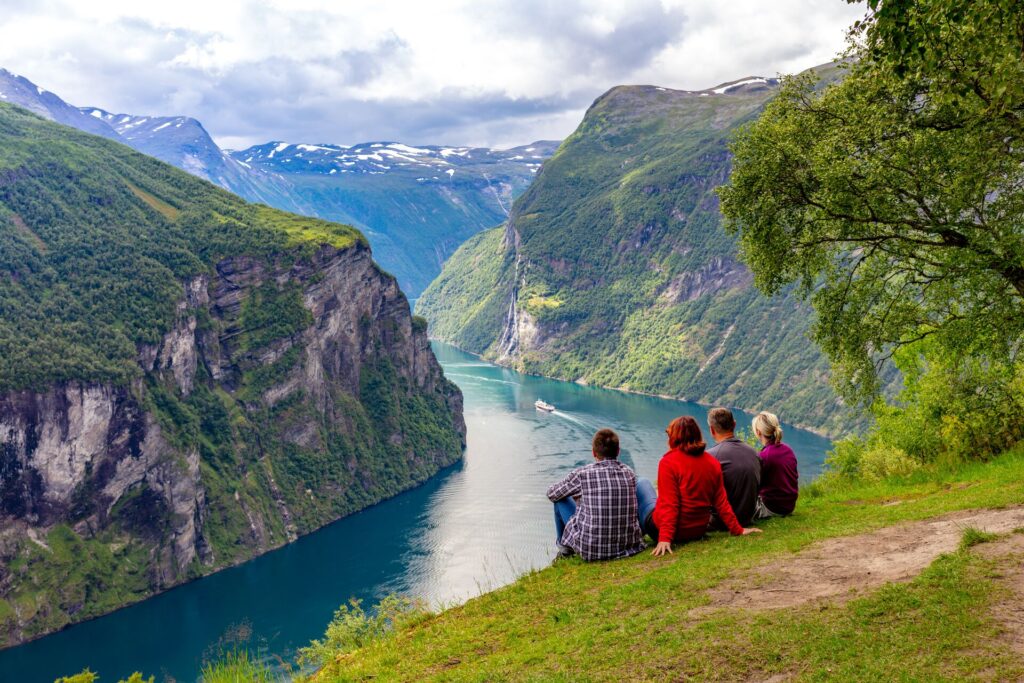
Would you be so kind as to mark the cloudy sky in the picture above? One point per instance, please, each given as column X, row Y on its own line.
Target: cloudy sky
column 485, row 72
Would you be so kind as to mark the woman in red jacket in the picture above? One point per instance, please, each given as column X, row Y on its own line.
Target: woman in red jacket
column 689, row 485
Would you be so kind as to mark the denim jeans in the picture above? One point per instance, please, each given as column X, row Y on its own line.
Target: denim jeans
column 564, row 510
column 646, row 499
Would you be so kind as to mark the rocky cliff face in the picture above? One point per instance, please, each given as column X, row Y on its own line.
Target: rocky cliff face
column 70, row 454
column 233, row 440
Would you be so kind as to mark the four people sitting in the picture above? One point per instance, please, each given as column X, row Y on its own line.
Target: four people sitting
column 602, row 510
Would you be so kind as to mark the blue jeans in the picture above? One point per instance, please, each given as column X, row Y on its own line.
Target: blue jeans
column 564, row 510
column 645, row 499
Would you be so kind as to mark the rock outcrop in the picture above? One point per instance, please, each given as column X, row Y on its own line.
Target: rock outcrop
column 284, row 432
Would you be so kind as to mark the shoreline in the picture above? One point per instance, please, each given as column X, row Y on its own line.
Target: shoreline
column 635, row 392
column 231, row 565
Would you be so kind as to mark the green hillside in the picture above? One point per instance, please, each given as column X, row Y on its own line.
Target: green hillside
column 613, row 268
column 95, row 242
column 186, row 380
column 413, row 229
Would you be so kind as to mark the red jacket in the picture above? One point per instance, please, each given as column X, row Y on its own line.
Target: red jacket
column 688, row 487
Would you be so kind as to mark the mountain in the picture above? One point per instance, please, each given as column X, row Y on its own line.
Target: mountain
column 416, row 204
column 183, row 142
column 613, row 268
column 15, row 89
column 186, row 379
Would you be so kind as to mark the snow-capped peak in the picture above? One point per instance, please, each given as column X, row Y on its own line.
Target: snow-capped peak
column 721, row 90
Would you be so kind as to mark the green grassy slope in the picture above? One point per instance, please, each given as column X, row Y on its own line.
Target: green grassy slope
column 631, row 619
column 622, row 276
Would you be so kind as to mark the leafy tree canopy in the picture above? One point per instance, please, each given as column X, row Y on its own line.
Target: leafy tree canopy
column 895, row 196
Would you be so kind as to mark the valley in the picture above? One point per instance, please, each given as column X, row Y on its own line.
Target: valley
column 416, row 204
column 298, row 329
column 613, row 268
column 474, row 527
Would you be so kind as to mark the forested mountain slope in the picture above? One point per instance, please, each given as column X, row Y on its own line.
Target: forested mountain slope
column 415, row 204
column 613, row 268
column 186, row 380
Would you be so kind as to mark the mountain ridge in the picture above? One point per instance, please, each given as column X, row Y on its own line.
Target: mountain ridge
column 405, row 213
column 613, row 268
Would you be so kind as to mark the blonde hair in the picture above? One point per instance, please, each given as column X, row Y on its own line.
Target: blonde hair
column 768, row 425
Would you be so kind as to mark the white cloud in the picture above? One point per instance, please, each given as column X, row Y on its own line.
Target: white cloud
column 451, row 71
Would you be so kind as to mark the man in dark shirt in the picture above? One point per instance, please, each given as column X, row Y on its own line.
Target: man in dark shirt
column 741, row 468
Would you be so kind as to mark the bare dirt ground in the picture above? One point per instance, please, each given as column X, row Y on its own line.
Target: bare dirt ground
column 839, row 569
column 1009, row 611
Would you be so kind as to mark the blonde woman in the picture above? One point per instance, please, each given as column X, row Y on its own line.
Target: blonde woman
column 779, row 489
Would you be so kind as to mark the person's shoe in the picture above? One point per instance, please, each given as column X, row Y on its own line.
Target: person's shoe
column 564, row 552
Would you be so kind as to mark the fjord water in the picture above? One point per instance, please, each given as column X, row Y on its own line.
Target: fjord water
column 471, row 528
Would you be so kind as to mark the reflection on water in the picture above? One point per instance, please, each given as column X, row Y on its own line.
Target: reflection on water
column 474, row 527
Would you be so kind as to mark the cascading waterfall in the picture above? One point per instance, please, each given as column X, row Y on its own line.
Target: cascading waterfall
column 508, row 344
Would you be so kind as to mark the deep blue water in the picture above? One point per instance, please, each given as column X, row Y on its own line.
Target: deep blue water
column 471, row 528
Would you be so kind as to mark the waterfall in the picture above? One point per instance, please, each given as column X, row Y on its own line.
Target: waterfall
column 508, row 343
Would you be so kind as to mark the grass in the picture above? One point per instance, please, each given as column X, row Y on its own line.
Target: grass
column 628, row 619
column 157, row 204
column 237, row 667
column 304, row 230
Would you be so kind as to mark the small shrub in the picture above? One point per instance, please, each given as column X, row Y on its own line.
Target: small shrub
column 882, row 462
column 88, row 676
column 352, row 628
column 84, row 677
column 237, row 666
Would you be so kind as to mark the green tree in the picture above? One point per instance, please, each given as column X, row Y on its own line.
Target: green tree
column 895, row 196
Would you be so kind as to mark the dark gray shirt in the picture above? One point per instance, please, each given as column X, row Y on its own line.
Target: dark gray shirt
column 741, row 470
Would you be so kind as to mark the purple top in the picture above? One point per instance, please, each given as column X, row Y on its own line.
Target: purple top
column 779, row 478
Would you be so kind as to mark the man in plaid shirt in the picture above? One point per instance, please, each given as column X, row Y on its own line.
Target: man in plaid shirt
column 603, row 525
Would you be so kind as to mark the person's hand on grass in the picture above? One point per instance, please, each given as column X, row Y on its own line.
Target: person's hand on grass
column 662, row 548
column 752, row 530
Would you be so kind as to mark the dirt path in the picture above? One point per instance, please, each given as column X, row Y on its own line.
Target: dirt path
column 1009, row 612
column 839, row 569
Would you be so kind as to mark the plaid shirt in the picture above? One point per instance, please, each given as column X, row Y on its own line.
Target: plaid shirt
column 605, row 524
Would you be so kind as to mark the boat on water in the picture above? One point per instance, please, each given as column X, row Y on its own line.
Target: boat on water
column 539, row 404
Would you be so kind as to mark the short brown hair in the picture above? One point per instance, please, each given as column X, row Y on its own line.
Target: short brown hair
column 684, row 434
column 721, row 420
column 606, row 444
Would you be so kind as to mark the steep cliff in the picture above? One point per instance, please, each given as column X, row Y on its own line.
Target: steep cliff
column 613, row 269
column 186, row 380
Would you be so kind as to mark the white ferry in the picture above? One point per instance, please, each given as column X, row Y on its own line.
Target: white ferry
column 539, row 404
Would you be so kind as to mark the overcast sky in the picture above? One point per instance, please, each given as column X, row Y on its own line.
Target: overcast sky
column 494, row 73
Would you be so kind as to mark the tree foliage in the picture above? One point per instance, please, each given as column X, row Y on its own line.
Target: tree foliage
column 895, row 196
